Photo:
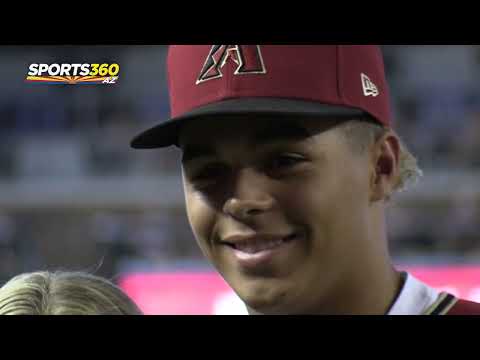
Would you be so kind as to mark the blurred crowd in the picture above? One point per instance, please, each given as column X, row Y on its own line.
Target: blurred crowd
column 69, row 132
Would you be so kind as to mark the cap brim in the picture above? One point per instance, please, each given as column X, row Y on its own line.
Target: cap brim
column 166, row 134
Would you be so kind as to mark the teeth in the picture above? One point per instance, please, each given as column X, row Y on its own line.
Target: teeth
column 252, row 248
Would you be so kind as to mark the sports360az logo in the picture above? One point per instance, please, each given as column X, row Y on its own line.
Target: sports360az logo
column 73, row 73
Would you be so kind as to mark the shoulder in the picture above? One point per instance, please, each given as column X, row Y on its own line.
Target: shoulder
column 464, row 307
column 447, row 304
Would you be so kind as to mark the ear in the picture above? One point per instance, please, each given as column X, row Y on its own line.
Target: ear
column 385, row 154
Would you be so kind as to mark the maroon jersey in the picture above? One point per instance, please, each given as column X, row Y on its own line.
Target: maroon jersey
column 464, row 307
column 448, row 304
column 418, row 298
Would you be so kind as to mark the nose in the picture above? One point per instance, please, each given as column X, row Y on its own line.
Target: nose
column 245, row 209
column 250, row 196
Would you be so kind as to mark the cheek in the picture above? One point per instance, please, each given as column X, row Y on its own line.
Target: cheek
column 201, row 218
column 331, row 202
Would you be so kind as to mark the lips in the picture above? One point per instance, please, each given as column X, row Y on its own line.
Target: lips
column 257, row 244
column 256, row 252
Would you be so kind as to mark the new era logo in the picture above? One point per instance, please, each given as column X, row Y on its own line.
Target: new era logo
column 369, row 88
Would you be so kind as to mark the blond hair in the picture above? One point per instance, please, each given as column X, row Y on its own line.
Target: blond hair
column 64, row 293
column 361, row 133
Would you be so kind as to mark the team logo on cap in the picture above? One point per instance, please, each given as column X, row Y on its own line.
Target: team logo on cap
column 248, row 59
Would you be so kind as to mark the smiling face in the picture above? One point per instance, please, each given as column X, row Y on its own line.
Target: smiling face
column 280, row 208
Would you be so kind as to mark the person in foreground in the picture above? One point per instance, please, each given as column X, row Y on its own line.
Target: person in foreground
column 64, row 293
column 289, row 160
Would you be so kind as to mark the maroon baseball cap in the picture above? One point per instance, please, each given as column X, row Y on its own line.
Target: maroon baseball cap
column 294, row 80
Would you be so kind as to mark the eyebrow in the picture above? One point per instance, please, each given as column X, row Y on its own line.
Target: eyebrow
column 192, row 152
column 270, row 134
column 280, row 132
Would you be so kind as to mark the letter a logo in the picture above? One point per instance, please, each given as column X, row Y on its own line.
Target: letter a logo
column 247, row 58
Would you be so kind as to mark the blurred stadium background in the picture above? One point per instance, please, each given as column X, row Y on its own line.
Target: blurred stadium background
column 73, row 195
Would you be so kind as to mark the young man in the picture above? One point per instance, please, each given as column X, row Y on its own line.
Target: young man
column 289, row 159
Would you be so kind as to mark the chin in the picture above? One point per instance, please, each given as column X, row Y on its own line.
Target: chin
column 267, row 307
column 264, row 297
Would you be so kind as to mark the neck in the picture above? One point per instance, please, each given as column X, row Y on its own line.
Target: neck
column 369, row 283
column 368, row 291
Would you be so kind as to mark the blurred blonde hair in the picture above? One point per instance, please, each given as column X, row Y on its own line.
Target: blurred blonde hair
column 64, row 293
column 361, row 133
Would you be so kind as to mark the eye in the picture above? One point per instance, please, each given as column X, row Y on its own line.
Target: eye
column 208, row 174
column 283, row 162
